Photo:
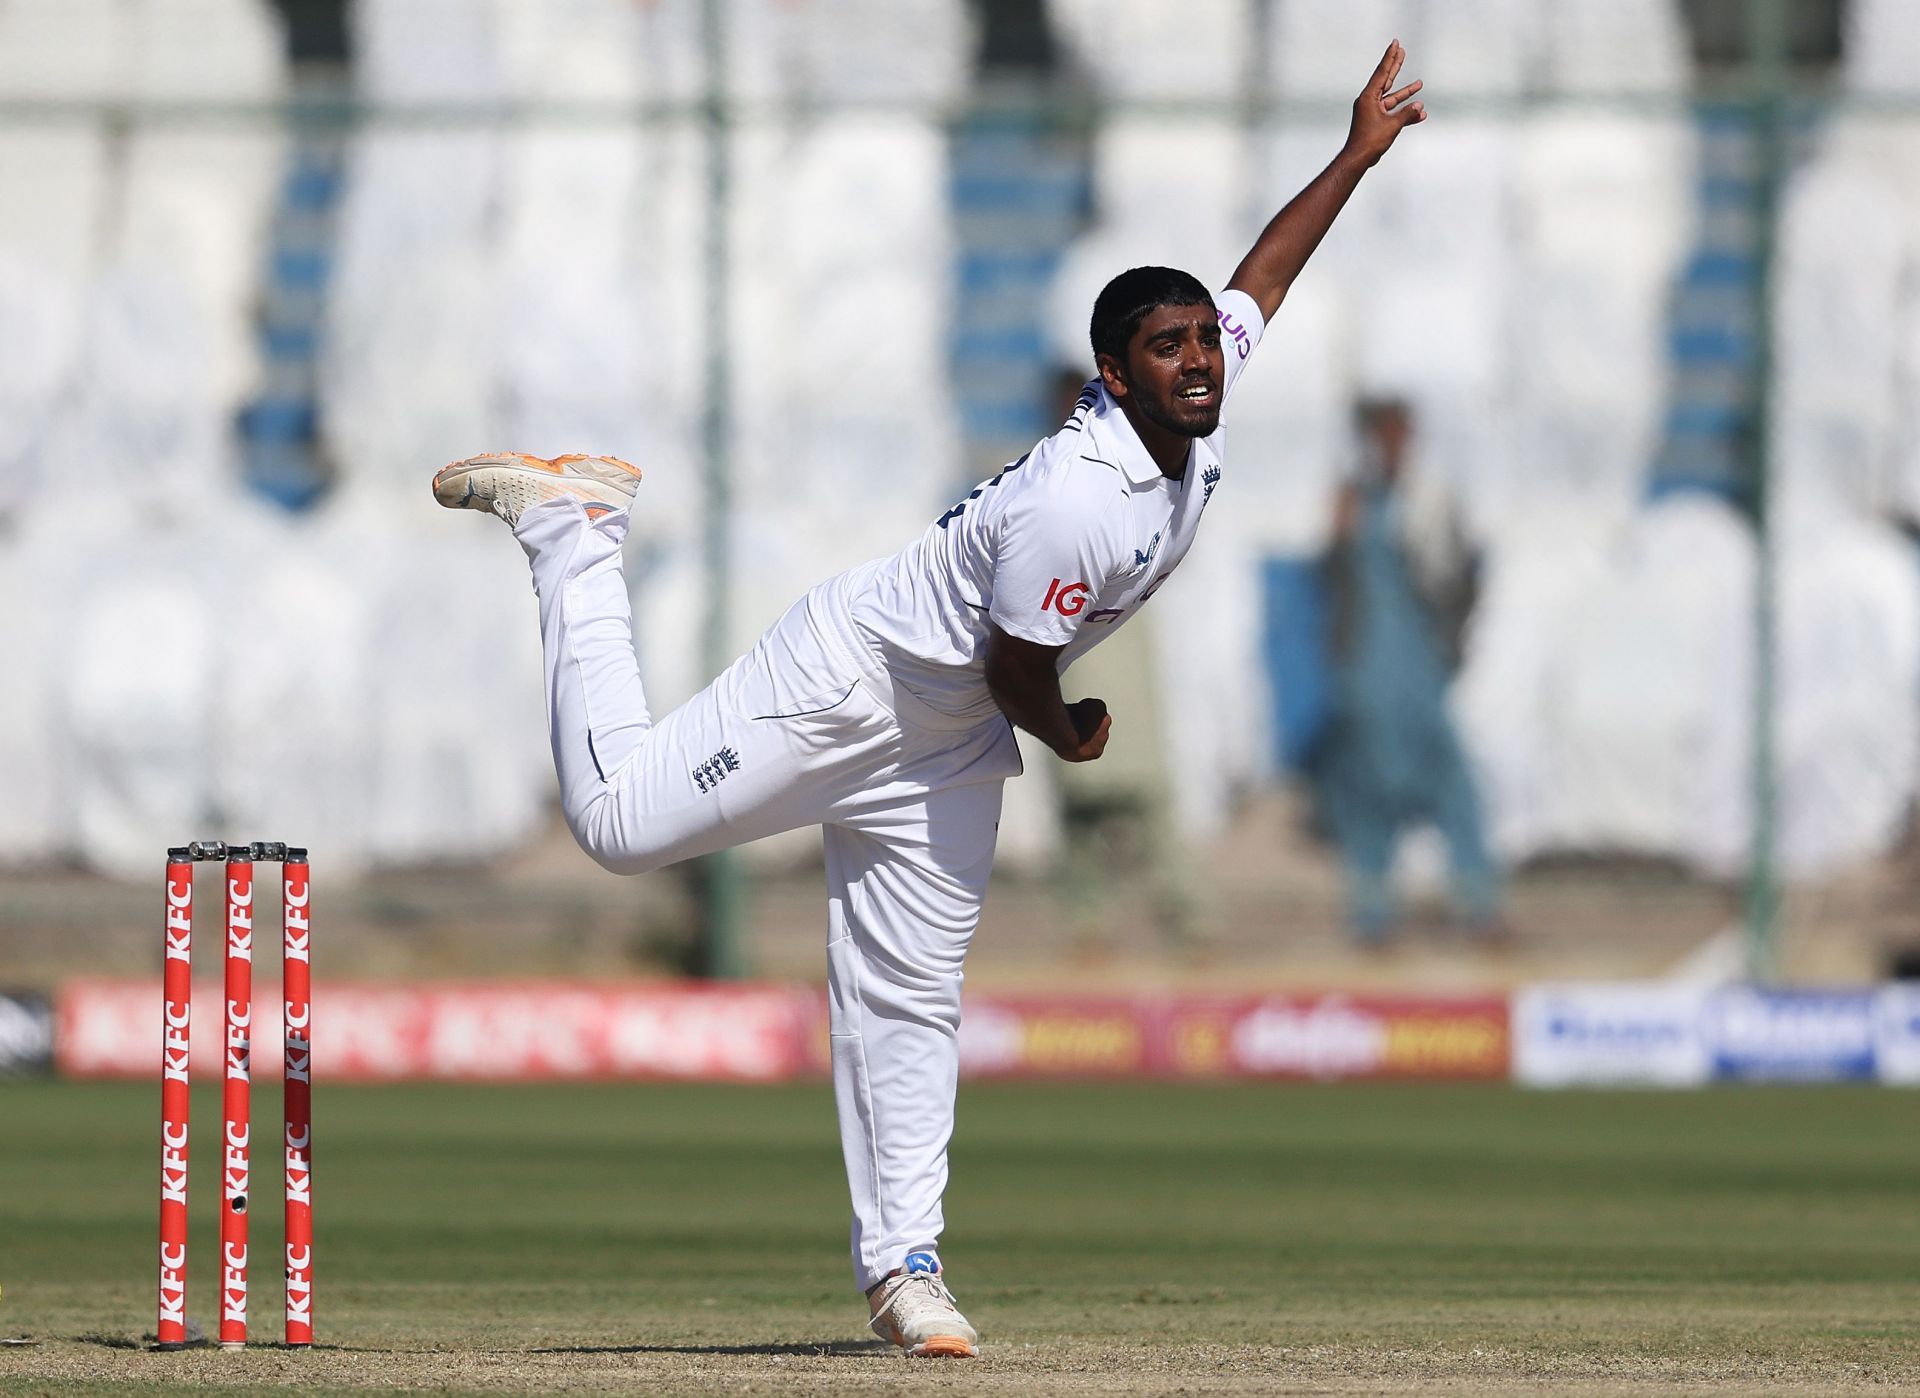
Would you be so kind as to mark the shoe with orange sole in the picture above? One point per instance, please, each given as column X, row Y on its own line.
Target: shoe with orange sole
column 914, row 1310
column 511, row 483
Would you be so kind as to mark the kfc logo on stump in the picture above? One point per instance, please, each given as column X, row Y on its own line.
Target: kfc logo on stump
column 1069, row 600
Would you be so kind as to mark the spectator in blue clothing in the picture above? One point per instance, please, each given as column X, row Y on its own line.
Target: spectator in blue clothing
column 1400, row 587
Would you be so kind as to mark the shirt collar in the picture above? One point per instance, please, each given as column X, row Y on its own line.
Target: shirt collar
column 1114, row 441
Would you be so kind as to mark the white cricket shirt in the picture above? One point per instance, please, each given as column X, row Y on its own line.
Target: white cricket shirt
column 1059, row 549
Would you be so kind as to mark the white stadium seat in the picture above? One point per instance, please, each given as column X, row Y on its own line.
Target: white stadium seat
column 1847, row 414
column 832, row 52
column 1850, row 630
column 1612, row 47
column 195, row 209
column 667, row 243
column 1606, row 190
column 574, row 365
column 37, row 359
column 143, row 414
column 204, row 51
column 353, row 681
column 1643, row 699
column 1841, row 334
column 672, row 54
column 42, row 556
column 496, row 287
column 536, row 288
column 60, row 169
column 571, row 51
column 1173, row 181
column 428, row 52
column 411, row 337
column 1608, row 691
column 298, row 693
column 197, row 197
column 1199, row 51
column 1604, row 221
column 455, row 738
column 63, row 50
column 1213, row 695
column 841, row 291
column 139, row 672
column 1478, row 48
column 1881, row 49
column 1322, row 50
column 1531, row 583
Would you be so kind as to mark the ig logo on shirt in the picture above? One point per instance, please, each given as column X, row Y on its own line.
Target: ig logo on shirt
column 1070, row 600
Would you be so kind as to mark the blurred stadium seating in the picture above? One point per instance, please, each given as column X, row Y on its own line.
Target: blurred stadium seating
column 245, row 327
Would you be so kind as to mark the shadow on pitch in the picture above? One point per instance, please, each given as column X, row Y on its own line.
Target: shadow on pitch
column 824, row 1349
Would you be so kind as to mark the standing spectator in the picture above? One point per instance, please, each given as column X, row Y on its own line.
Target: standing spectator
column 1400, row 584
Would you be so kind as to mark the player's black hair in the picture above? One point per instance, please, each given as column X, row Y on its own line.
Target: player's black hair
column 1135, row 294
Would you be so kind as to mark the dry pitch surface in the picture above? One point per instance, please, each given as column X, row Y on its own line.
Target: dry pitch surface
column 1251, row 1239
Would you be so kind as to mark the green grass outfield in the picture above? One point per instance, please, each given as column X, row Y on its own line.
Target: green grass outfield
column 1254, row 1238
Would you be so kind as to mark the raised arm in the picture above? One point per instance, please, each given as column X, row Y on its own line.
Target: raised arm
column 1380, row 113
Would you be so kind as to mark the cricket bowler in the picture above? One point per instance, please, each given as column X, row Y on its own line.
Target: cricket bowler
column 881, row 706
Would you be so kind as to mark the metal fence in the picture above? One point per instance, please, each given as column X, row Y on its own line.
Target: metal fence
column 1634, row 310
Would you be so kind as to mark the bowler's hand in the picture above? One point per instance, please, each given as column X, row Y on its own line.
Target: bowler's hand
column 1091, row 724
column 1381, row 113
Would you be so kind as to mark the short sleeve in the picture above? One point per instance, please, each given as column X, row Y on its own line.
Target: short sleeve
column 1241, row 326
column 1054, row 553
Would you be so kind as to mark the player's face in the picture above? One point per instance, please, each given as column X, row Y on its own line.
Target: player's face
column 1176, row 371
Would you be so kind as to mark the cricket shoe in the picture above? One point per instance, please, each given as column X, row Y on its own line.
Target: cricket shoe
column 914, row 1310
column 511, row 483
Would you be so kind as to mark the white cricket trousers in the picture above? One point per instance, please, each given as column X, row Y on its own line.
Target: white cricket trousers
column 807, row 728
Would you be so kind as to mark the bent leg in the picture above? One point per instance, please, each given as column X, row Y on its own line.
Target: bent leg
column 597, row 714
column 722, row 769
column 905, row 887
